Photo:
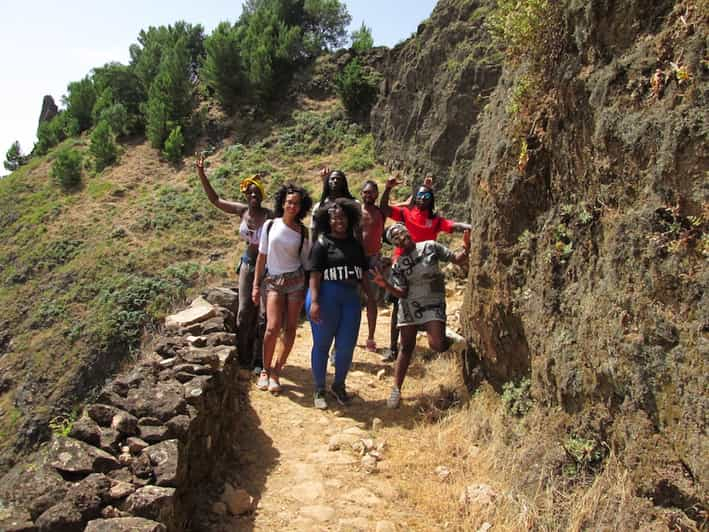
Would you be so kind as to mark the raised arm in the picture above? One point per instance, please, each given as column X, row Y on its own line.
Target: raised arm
column 384, row 200
column 231, row 207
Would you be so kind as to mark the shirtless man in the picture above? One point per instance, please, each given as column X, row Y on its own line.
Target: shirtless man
column 372, row 230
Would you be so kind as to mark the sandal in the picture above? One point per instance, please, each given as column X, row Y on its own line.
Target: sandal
column 371, row 346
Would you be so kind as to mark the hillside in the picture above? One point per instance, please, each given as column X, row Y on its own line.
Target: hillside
column 84, row 272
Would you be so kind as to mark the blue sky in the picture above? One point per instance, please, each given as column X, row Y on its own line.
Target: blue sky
column 46, row 44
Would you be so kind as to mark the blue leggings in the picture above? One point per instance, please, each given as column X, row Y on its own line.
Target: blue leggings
column 340, row 314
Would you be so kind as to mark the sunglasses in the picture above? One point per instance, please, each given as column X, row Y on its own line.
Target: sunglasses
column 424, row 195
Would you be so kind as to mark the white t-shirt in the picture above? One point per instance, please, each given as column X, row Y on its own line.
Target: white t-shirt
column 280, row 245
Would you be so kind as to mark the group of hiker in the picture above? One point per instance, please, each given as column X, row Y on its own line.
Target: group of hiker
column 328, row 266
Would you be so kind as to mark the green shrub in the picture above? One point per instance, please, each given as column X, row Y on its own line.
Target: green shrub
column 174, row 145
column 51, row 133
column 66, row 169
column 357, row 89
column 360, row 157
column 517, row 398
column 362, row 40
column 103, row 146
column 531, row 30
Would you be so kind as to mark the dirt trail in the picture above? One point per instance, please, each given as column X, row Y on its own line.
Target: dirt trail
column 298, row 482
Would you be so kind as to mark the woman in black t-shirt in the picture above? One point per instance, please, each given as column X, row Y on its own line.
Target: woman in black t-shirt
column 338, row 267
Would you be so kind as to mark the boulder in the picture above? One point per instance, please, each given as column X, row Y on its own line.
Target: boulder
column 154, row 434
column 16, row 520
column 89, row 495
column 178, row 427
column 102, row 414
column 220, row 338
column 223, row 297
column 164, row 457
column 125, row 423
column 124, row 524
column 120, row 490
column 141, row 467
column 62, row 517
column 169, row 347
column 150, row 502
column 163, row 400
column 199, row 311
column 68, row 455
column 86, row 430
column 135, row 444
column 110, row 440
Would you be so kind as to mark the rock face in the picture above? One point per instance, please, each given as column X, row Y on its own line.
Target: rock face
column 106, row 475
column 435, row 88
column 588, row 201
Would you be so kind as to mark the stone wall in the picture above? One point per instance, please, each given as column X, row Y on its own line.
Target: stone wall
column 143, row 454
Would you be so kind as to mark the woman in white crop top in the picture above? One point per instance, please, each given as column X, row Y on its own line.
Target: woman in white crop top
column 282, row 257
column 250, row 320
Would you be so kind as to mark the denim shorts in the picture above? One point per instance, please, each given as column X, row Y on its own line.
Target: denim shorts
column 285, row 283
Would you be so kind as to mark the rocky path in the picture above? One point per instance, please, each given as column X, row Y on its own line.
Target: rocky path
column 325, row 470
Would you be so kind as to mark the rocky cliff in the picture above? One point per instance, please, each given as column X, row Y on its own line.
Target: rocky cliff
column 584, row 167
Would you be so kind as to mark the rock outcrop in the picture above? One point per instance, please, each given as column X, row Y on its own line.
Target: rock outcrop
column 49, row 109
column 133, row 459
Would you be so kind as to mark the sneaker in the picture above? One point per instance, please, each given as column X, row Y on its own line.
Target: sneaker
column 274, row 386
column 340, row 394
column 388, row 356
column 394, row 398
column 371, row 346
column 257, row 370
column 455, row 340
column 262, row 383
column 319, row 400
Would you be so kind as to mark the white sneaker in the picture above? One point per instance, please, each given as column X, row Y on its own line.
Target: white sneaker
column 394, row 398
column 262, row 383
column 273, row 385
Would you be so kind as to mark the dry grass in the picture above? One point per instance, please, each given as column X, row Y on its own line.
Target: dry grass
column 480, row 443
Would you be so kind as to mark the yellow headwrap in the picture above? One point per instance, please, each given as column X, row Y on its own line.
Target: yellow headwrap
column 255, row 181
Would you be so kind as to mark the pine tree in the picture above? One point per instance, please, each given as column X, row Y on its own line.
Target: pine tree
column 14, row 158
column 80, row 100
column 223, row 70
column 103, row 146
column 170, row 97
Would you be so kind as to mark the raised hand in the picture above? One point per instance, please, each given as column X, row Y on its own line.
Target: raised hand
column 393, row 181
column 428, row 181
column 199, row 162
column 324, row 172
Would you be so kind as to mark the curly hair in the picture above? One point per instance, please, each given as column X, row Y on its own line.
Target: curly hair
column 326, row 187
column 321, row 217
column 280, row 198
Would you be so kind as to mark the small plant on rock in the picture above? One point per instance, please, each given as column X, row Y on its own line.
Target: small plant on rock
column 585, row 455
column 61, row 425
column 517, row 397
